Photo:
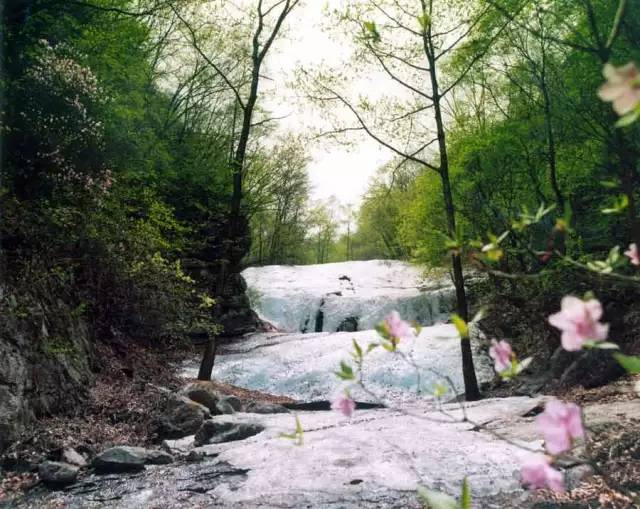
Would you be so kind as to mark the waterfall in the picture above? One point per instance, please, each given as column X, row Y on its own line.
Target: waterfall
column 346, row 296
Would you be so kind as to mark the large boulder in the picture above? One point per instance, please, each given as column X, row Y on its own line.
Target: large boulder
column 203, row 392
column 126, row 458
column 256, row 407
column 120, row 459
column 182, row 417
column 45, row 358
column 224, row 408
column 57, row 474
column 213, row 432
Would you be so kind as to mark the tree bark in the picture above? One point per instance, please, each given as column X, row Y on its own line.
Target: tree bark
column 208, row 359
column 471, row 389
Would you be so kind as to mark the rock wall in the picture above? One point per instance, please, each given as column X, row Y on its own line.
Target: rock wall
column 216, row 268
column 45, row 357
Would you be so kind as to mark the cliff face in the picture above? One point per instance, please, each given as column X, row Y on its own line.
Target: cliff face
column 216, row 268
column 45, row 354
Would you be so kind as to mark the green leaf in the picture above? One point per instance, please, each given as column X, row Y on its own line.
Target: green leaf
column 628, row 119
column 461, row 326
column 424, row 21
column 630, row 363
column 372, row 30
column 618, row 206
column 465, row 499
column 357, row 349
column 436, row 500
column 346, row 372
column 601, row 345
column 372, row 346
column 439, row 390
column 381, row 329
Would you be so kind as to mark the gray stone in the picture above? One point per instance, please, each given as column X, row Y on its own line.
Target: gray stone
column 234, row 401
column 575, row 475
column 73, row 457
column 120, row 459
column 349, row 324
column 55, row 473
column 183, row 417
column 157, row 457
column 204, row 393
column 180, row 446
column 43, row 371
column 224, row 407
column 255, row 407
column 213, row 432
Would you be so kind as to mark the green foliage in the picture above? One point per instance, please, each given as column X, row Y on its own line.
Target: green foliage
column 105, row 189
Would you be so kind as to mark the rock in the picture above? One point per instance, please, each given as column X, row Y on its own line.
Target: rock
column 224, row 408
column 157, row 457
column 73, row 457
column 120, row 459
column 126, row 458
column 234, row 401
column 203, row 392
column 213, row 432
column 255, row 407
column 44, row 369
column 183, row 417
column 55, row 473
column 180, row 446
column 194, row 457
column 349, row 324
column 575, row 475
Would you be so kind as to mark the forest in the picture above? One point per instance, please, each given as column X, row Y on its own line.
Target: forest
column 144, row 165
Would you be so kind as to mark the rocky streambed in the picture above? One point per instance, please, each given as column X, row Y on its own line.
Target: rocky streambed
column 376, row 459
column 221, row 451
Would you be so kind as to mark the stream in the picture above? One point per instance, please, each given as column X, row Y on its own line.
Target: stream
column 380, row 456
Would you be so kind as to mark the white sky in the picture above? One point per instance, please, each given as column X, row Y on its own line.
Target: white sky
column 335, row 170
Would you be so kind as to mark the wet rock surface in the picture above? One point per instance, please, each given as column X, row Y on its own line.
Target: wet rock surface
column 57, row 474
column 204, row 393
column 183, row 417
column 213, row 432
column 302, row 366
column 129, row 459
column 376, row 459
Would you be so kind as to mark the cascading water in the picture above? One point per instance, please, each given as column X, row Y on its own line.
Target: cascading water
column 346, row 296
column 321, row 309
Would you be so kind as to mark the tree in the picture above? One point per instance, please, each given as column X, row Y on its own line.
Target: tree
column 410, row 44
column 244, row 86
column 277, row 187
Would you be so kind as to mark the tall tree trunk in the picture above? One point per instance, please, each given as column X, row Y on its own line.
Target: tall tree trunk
column 471, row 389
column 208, row 359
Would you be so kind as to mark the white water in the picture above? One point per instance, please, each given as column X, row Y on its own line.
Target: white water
column 290, row 297
column 303, row 366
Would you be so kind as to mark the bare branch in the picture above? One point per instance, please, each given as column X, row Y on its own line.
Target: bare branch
column 394, row 77
column 374, row 136
column 210, row 62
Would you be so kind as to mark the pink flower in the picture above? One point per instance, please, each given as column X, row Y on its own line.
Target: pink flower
column 537, row 472
column 397, row 327
column 501, row 353
column 632, row 253
column 579, row 322
column 344, row 405
column 622, row 87
column 560, row 424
